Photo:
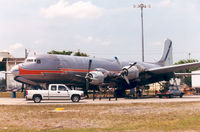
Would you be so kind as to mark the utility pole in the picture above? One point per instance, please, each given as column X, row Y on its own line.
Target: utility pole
column 26, row 53
column 141, row 6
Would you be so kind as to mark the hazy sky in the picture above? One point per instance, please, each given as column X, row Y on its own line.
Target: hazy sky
column 101, row 28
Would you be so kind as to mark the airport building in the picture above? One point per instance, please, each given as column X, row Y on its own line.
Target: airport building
column 196, row 81
column 7, row 61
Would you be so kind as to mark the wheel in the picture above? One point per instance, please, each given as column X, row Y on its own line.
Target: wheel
column 75, row 98
column 37, row 99
column 181, row 95
column 160, row 96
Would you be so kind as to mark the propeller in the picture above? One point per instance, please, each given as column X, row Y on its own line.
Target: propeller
column 124, row 72
column 88, row 75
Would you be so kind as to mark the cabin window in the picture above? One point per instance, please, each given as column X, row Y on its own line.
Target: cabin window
column 53, row 88
column 38, row 61
column 62, row 88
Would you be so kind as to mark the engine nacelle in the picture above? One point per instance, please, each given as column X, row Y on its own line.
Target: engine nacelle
column 96, row 77
column 131, row 73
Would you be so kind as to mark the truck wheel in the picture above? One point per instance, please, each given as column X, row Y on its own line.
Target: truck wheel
column 75, row 98
column 37, row 99
column 170, row 96
column 181, row 95
column 160, row 96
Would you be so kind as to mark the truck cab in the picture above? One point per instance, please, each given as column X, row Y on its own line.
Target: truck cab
column 57, row 91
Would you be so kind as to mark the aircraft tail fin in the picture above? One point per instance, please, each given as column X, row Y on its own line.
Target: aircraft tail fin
column 167, row 58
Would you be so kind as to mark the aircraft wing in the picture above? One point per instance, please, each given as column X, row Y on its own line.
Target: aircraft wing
column 186, row 74
column 173, row 68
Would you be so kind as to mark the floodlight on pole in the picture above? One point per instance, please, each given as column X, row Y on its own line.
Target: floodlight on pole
column 141, row 6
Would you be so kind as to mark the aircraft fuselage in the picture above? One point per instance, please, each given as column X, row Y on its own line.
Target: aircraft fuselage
column 66, row 69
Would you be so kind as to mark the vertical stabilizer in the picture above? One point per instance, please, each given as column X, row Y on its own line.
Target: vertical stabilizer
column 167, row 58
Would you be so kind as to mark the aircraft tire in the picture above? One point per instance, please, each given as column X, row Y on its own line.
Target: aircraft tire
column 75, row 98
column 37, row 98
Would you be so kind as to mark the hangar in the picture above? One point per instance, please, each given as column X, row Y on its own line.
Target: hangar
column 7, row 61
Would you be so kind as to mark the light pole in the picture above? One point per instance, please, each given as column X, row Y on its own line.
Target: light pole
column 141, row 6
column 189, row 54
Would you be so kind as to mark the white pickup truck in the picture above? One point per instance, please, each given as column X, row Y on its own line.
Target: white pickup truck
column 55, row 91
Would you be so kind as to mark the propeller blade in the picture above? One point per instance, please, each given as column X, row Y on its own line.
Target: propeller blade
column 132, row 64
column 87, row 84
column 87, row 77
column 126, row 79
column 123, row 73
column 89, row 66
column 118, row 61
column 77, row 75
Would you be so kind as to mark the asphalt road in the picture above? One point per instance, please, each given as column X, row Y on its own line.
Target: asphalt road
column 22, row 101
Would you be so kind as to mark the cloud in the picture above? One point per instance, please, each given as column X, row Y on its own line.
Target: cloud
column 157, row 43
column 78, row 10
column 95, row 41
column 164, row 3
column 14, row 48
column 89, row 40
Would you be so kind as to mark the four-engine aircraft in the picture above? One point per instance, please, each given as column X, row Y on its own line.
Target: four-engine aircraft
column 86, row 71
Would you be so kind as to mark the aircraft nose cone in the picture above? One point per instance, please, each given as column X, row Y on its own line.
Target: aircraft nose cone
column 15, row 70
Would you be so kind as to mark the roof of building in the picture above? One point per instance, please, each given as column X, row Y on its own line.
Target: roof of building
column 5, row 55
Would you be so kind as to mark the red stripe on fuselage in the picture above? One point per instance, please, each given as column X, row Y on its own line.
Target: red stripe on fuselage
column 74, row 70
column 40, row 72
column 36, row 72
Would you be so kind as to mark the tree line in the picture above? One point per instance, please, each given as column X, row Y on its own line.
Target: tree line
column 77, row 53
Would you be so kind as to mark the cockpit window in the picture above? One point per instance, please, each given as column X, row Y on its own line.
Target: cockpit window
column 29, row 60
column 38, row 61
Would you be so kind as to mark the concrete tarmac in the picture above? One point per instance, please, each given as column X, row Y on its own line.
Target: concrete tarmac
column 22, row 101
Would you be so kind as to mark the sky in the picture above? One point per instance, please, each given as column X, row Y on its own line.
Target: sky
column 100, row 28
